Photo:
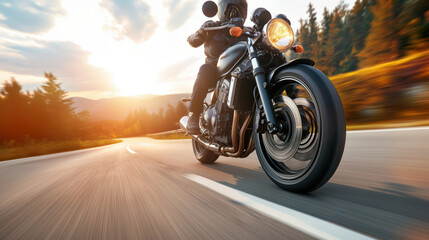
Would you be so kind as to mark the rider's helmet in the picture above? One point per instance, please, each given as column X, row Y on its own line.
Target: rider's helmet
column 232, row 9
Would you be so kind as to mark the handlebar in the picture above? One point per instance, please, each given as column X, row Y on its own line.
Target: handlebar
column 250, row 34
column 218, row 28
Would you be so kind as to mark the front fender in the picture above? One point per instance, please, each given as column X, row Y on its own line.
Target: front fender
column 304, row 61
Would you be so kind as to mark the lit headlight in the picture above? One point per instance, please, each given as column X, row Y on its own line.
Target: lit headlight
column 278, row 34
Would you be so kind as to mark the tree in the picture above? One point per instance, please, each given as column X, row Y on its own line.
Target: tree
column 313, row 31
column 382, row 43
column 335, row 51
column 59, row 108
column 356, row 29
column 303, row 37
column 14, row 112
column 413, row 20
column 181, row 110
column 170, row 118
column 38, row 114
column 360, row 23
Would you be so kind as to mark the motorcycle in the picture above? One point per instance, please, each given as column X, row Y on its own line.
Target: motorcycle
column 288, row 111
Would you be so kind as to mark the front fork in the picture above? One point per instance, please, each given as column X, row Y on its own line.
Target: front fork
column 259, row 73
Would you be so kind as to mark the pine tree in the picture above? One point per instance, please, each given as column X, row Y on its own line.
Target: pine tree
column 39, row 114
column 356, row 30
column 13, row 112
column 170, row 118
column 413, row 20
column 334, row 52
column 303, row 37
column 59, row 108
column 181, row 110
column 322, row 59
column 313, row 29
column 382, row 43
column 360, row 23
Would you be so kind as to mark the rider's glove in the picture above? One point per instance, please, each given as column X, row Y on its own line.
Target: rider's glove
column 207, row 24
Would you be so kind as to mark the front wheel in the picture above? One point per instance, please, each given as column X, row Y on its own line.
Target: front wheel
column 304, row 155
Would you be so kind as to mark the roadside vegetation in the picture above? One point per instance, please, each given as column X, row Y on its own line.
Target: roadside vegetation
column 391, row 93
column 15, row 150
column 170, row 135
column 43, row 121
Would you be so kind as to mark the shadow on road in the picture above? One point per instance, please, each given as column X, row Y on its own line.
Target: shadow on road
column 393, row 198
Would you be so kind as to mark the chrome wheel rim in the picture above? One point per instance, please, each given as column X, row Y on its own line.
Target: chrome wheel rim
column 283, row 146
column 291, row 166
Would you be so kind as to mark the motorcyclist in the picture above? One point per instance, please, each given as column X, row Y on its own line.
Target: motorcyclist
column 215, row 42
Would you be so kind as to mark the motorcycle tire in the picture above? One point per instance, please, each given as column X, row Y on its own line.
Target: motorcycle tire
column 311, row 164
column 202, row 154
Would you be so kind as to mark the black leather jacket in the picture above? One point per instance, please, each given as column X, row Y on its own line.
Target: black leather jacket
column 214, row 45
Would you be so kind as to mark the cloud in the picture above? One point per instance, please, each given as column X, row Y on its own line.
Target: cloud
column 132, row 18
column 180, row 11
column 30, row 16
column 65, row 59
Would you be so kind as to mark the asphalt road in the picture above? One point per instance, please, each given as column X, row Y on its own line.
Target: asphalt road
column 140, row 189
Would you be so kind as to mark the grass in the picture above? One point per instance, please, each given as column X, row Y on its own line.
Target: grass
column 170, row 135
column 11, row 151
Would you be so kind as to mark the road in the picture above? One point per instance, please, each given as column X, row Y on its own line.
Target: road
column 142, row 189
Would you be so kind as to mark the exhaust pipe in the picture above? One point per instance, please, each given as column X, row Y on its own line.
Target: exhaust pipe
column 214, row 147
column 237, row 149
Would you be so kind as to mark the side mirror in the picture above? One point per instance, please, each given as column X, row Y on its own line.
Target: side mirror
column 260, row 17
column 210, row 9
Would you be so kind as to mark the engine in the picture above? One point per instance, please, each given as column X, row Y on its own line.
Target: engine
column 218, row 117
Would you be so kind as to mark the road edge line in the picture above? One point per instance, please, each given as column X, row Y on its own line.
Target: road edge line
column 310, row 225
column 389, row 130
column 130, row 150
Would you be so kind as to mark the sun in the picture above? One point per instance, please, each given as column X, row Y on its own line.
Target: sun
column 135, row 81
column 132, row 73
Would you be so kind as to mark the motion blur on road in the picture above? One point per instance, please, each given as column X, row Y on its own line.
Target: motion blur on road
column 139, row 189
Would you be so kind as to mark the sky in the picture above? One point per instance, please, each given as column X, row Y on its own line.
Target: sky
column 108, row 48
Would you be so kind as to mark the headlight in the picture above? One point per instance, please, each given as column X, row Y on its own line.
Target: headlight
column 278, row 34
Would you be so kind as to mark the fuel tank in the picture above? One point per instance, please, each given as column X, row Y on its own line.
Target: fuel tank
column 232, row 56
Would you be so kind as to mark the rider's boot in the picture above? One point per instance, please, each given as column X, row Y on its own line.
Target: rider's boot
column 193, row 126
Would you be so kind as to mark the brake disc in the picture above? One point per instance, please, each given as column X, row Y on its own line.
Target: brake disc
column 283, row 146
column 310, row 129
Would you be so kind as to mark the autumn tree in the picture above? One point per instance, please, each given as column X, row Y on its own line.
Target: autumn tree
column 382, row 43
column 413, row 20
column 357, row 29
column 303, row 37
column 322, row 59
column 313, row 31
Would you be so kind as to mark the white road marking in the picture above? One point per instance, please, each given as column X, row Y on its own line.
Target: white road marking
column 130, row 150
column 305, row 223
column 390, row 130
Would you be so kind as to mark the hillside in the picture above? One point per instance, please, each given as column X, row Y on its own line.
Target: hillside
column 118, row 108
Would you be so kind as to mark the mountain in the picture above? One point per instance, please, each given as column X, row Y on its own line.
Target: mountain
column 117, row 108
